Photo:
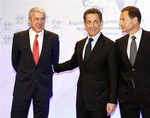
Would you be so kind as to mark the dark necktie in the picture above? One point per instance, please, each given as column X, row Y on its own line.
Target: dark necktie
column 88, row 49
column 36, row 49
column 133, row 50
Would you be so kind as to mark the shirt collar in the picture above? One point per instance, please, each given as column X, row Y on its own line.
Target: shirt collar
column 34, row 33
column 95, row 37
column 137, row 34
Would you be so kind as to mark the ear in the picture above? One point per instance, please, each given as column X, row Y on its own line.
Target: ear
column 135, row 20
column 84, row 25
column 101, row 24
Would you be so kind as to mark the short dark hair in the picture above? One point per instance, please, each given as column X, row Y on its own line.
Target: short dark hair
column 92, row 11
column 133, row 12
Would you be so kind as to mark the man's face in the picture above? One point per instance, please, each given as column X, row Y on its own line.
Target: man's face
column 126, row 23
column 37, row 21
column 93, row 24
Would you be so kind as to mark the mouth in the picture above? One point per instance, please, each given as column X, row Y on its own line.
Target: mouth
column 39, row 25
column 121, row 28
column 92, row 30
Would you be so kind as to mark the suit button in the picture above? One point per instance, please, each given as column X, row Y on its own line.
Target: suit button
column 133, row 69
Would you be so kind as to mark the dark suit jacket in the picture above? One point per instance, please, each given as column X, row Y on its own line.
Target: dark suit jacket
column 140, row 72
column 27, row 72
column 98, row 76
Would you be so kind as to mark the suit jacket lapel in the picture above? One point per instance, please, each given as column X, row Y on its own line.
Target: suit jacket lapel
column 44, row 45
column 27, row 44
column 124, row 47
column 99, row 44
column 81, row 49
column 142, row 46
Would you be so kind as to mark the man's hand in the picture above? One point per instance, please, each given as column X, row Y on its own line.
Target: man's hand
column 110, row 108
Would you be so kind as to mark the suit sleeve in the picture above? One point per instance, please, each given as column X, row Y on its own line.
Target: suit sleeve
column 55, row 54
column 68, row 65
column 113, row 75
column 15, row 53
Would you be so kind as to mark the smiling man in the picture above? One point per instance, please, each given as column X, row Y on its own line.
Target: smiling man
column 34, row 52
column 96, row 59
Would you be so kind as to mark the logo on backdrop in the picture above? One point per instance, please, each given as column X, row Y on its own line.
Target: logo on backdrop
column 103, row 4
column 56, row 24
column 20, row 19
column 7, row 26
column 7, row 39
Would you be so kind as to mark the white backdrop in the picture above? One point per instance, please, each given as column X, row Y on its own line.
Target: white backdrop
column 64, row 17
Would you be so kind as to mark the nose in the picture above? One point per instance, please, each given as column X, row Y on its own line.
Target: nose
column 91, row 24
column 120, row 24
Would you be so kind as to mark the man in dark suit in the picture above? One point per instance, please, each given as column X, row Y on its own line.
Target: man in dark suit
column 33, row 76
column 134, row 84
column 97, row 84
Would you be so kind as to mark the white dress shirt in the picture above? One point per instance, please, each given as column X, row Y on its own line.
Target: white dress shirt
column 40, row 39
column 137, row 40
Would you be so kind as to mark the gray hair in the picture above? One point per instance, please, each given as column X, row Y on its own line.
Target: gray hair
column 36, row 9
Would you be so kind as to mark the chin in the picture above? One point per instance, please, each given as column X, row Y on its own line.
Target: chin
column 92, row 35
column 39, row 30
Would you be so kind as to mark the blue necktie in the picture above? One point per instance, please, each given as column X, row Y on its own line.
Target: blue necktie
column 88, row 49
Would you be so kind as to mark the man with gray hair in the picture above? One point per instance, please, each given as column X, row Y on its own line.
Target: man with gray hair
column 34, row 52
